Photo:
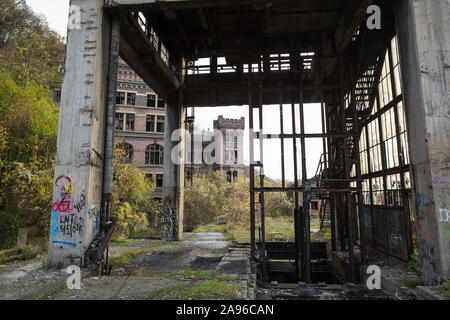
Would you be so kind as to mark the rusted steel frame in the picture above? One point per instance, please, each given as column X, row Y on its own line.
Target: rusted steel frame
column 406, row 225
column 339, row 155
column 296, row 205
column 336, row 180
column 280, row 97
column 361, row 212
column 324, row 132
column 267, row 88
column 370, row 184
column 332, row 195
column 383, row 172
column 252, row 176
column 346, row 159
column 305, row 219
column 348, row 195
column 261, row 194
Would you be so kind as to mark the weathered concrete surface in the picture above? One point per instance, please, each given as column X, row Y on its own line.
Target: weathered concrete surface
column 173, row 179
column 209, row 240
column 78, row 166
column 424, row 40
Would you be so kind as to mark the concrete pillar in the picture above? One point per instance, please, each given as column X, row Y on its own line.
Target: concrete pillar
column 424, row 40
column 173, row 180
column 79, row 157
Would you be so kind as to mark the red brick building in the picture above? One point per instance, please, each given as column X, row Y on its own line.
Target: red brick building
column 139, row 124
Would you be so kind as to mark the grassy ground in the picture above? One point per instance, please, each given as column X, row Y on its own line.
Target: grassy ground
column 199, row 285
column 124, row 260
column 199, row 290
column 277, row 229
column 444, row 290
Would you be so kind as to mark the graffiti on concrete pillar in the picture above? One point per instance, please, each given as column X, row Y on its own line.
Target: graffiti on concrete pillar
column 426, row 251
column 68, row 213
column 94, row 216
column 440, row 180
column 169, row 222
column 444, row 215
column 421, row 201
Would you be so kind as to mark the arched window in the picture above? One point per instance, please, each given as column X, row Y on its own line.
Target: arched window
column 128, row 152
column 154, row 154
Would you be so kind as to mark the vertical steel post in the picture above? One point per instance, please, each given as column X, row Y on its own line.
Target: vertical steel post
column 305, row 214
column 110, row 116
column 261, row 181
column 332, row 194
column 252, row 170
column 361, row 212
column 296, row 206
column 351, row 252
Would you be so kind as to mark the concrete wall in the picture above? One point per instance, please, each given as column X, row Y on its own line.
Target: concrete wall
column 173, row 180
column 79, row 166
column 424, row 41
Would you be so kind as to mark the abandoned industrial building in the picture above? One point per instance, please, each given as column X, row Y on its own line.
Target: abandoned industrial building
column 139, row 125
column 383, row 93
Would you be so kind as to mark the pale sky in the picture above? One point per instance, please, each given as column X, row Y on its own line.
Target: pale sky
column 57, row 12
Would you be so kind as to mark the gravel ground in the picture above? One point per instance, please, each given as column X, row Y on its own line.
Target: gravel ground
column 28, row 279
column 158, row 266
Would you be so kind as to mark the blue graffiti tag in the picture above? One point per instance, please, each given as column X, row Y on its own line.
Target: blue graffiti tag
column 421, row 201
column 95, row 226
column 66, row 243
column 54, row 227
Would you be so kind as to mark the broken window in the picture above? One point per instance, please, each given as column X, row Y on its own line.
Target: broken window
column 150, row 127
column 393, row 190
column 159, row 180
column 307, row 60
column 154, row 154
column 280, row 62
column 161, row 103
column 160, row 124
column 164, row 54
column 130, row 122
column 378, row 191
column 151, row 101
column 231, row 156
column 128, row 152
column 119, row 121
column 131, row 99
column 120, row 98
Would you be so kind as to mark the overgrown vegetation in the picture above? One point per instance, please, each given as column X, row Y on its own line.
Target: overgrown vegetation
column 30, row 56
column 413, row 263
column 212, row 200
column 124, row 260
column 413, row 283
column 132, row 199
column 31, row 61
